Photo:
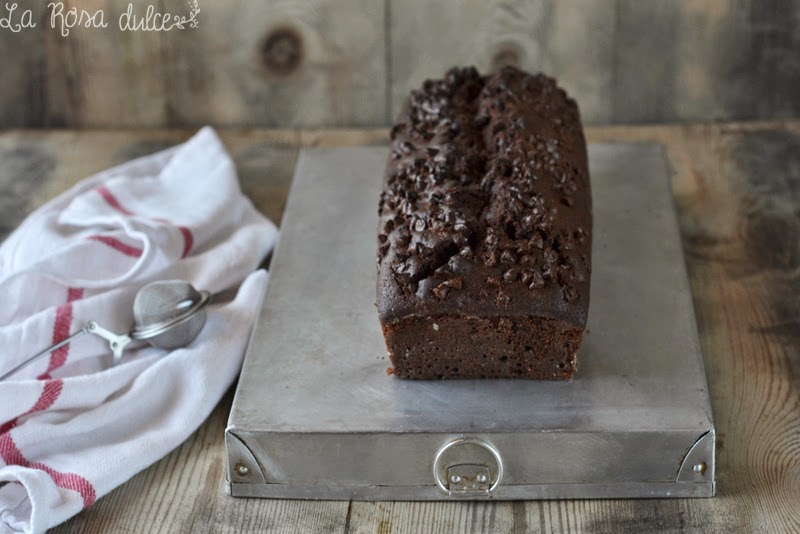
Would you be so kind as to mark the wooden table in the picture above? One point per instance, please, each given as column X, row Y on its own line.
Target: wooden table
column 737, row 188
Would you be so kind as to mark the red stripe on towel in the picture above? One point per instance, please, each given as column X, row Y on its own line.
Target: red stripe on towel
column 188, row 240
column 111, row 200
column 52, row 388
column 48, row 396
column 9, row 452
column 11, row 455
column 61, row 331
column 118, row 245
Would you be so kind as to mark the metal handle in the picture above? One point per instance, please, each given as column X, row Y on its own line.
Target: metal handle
column 45, row 352
column 116, row 342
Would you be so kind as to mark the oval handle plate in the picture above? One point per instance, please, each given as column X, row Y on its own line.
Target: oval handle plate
column 468, row 467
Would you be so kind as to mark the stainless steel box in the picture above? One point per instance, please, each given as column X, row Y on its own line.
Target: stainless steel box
column 316, row 416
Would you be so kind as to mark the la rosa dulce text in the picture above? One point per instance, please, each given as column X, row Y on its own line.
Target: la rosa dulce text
column 65, row 19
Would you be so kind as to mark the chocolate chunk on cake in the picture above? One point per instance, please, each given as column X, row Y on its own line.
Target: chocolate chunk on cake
column 485, row 231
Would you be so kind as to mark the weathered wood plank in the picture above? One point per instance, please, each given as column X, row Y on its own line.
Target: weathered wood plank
column 744, row 264
column 22, row 76
column 757, row 66
column 102, row 76
column 342, row 137
column 247, row 63
column 279, row 63
column 352, row 62
column 184, row 493
column 570, row 40
column 433, row 517
column 26, row 168
column 623, row 61
column 644, row 87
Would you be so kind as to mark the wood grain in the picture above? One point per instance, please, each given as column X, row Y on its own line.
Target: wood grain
column 27, row 167
column 22, row 64
column 624, row 61
column 247, row 63
column 158, row 499
column 280, row 63
column 737, row 192
column 102, row 76
column 311, row 63
column 570, row 40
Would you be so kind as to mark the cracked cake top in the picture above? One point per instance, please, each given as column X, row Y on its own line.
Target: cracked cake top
column 486, row 206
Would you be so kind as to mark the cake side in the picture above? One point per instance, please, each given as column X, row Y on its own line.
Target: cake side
column 447, row 346
column 486, row 210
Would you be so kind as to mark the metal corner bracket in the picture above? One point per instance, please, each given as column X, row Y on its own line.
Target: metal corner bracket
column 243, row 468
column 698, row 465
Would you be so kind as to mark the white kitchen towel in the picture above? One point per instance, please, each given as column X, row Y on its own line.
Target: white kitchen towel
column 73, row 426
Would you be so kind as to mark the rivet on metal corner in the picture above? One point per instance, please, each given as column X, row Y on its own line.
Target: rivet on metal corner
column 700, row 468
column 242, row 470
column 482, row 479
column 455, row 479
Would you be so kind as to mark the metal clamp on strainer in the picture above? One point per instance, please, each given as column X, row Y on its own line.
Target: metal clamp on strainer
column 168, row 314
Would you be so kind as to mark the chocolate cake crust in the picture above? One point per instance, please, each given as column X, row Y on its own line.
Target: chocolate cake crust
column 484, row 239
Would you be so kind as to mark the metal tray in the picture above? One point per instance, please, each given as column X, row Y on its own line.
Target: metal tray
column 316, row 416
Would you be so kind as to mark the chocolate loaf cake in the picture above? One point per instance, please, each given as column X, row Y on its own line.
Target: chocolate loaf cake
column 484, row 239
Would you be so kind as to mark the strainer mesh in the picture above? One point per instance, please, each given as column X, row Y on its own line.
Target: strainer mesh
column 163, row 300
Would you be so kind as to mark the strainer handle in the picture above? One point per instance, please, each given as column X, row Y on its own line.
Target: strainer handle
column 45, row 352
column 116, row 342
